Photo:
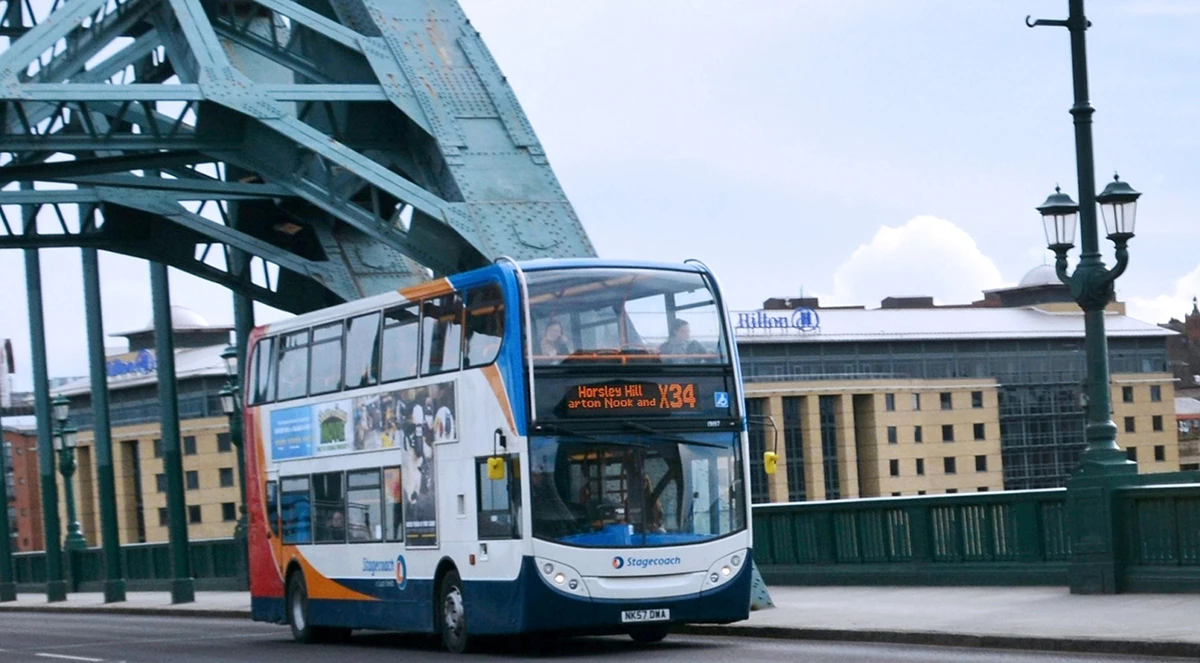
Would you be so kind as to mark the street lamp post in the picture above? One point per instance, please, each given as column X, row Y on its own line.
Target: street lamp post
column 232, row 407
column 64, row 444
column 1091, row 283
column 1096, row 566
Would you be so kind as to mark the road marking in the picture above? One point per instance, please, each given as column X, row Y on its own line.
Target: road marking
column 70, row 658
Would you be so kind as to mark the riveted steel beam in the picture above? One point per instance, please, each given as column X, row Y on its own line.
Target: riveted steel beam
column 349, row 142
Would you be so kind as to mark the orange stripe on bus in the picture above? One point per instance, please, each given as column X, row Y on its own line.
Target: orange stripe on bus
column 429, row 288
column 320, row 587
column 493, row 377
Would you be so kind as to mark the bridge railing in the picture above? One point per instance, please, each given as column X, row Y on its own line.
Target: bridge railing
column 1160, row 527
column 217, row 565
column 1001, row 538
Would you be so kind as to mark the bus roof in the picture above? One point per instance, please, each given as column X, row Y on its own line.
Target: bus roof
column 462, row 281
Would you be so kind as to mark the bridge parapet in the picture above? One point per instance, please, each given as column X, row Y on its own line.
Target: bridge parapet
column 1007, row 538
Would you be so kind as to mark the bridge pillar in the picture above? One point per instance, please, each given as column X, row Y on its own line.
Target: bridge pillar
column 114, row 581
column 183, row 588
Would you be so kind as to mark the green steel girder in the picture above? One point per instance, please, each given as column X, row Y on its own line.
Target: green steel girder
column 349, row 142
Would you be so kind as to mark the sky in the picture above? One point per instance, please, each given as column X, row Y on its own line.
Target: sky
column 849, row 150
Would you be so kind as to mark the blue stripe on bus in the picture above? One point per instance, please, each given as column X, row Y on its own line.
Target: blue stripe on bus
column 499, row 607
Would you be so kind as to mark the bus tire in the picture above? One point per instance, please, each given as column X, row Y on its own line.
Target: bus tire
column 303, row 630
column 452, row 614
column 649, row 634
column 297, row 610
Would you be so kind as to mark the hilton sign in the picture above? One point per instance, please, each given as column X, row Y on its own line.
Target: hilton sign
column 803, row 320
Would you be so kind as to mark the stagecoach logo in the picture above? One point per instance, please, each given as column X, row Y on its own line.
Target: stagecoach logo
column 644, row 562
column 401, row 573
column 398, row 567
column 802, row 319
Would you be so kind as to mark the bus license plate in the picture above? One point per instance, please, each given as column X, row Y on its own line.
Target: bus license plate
column 658, row 615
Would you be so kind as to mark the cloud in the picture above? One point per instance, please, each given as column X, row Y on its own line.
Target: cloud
column 925, row 256
column 1164, row 307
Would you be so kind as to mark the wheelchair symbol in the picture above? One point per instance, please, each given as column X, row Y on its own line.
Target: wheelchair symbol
column 721, row 398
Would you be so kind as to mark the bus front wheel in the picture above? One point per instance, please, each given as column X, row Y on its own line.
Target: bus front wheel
column 649, row 634
column 452, row 614
column 297, row 606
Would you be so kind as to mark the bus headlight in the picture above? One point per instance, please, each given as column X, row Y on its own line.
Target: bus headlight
column 561, row 577
column 723, row 570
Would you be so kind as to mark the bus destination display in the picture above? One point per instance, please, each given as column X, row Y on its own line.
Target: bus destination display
column 628, row 398
column 571, row 398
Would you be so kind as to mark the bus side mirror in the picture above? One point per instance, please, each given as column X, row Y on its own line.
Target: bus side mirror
column 770, row 462
column 496, row 468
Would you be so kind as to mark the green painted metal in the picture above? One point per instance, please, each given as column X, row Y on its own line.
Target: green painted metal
column 66, row 467
column 216, row 564
column 114, row 583
column 182, row 585
column 1002, row 538
column 1095, row 567
column 56, row 586
column 364, row 140
column 8, row 590
column 760, row 598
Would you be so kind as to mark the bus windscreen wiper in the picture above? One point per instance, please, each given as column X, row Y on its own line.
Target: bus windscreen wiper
column 664, row 437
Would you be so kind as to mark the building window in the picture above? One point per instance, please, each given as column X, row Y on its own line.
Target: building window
column 163, row 521
column 920, row 467
column 1160, row 453
column 949, row 466
column 158, row 451
column 951, row 491
column 1155, row 393
column 977, row 399
column 916, row 401
column 980, row 432
column 194, row 514
column 917, row 437
column 827, row 407
column 892, row 437
column 894, row 467
column 193, row 479
column 160, row 482
column 947, row 403
column 228, row 512
column 981, row 463
column 981, row 489
column 948, row 433
column 1129, row 426
column 793, row 446
column 920, row 492
column 1131, row 453
column 1127, row 394
column 224, row 443
column 226, row 477
column 895, row 494
column 889, row 401
column 189, row 445
column 757, row 432
column 1156, row 423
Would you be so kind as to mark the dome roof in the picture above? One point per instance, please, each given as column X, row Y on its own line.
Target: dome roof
column 182, row 317
column 1040, row 275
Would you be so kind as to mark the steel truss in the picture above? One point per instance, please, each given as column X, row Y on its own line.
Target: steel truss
column 359, row 145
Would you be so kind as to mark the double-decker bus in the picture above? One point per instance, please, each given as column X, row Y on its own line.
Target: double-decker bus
column 554, row 446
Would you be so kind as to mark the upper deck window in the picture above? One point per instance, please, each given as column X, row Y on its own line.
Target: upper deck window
column 626, row 316
column 293, row 366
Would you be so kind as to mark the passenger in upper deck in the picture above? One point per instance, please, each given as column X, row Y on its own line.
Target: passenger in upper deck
column 681, row 341
column 553, row 344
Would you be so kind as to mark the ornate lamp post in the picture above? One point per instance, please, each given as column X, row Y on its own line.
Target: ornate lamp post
column 231, row 406
column 1091, row 283
column 64, row 444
